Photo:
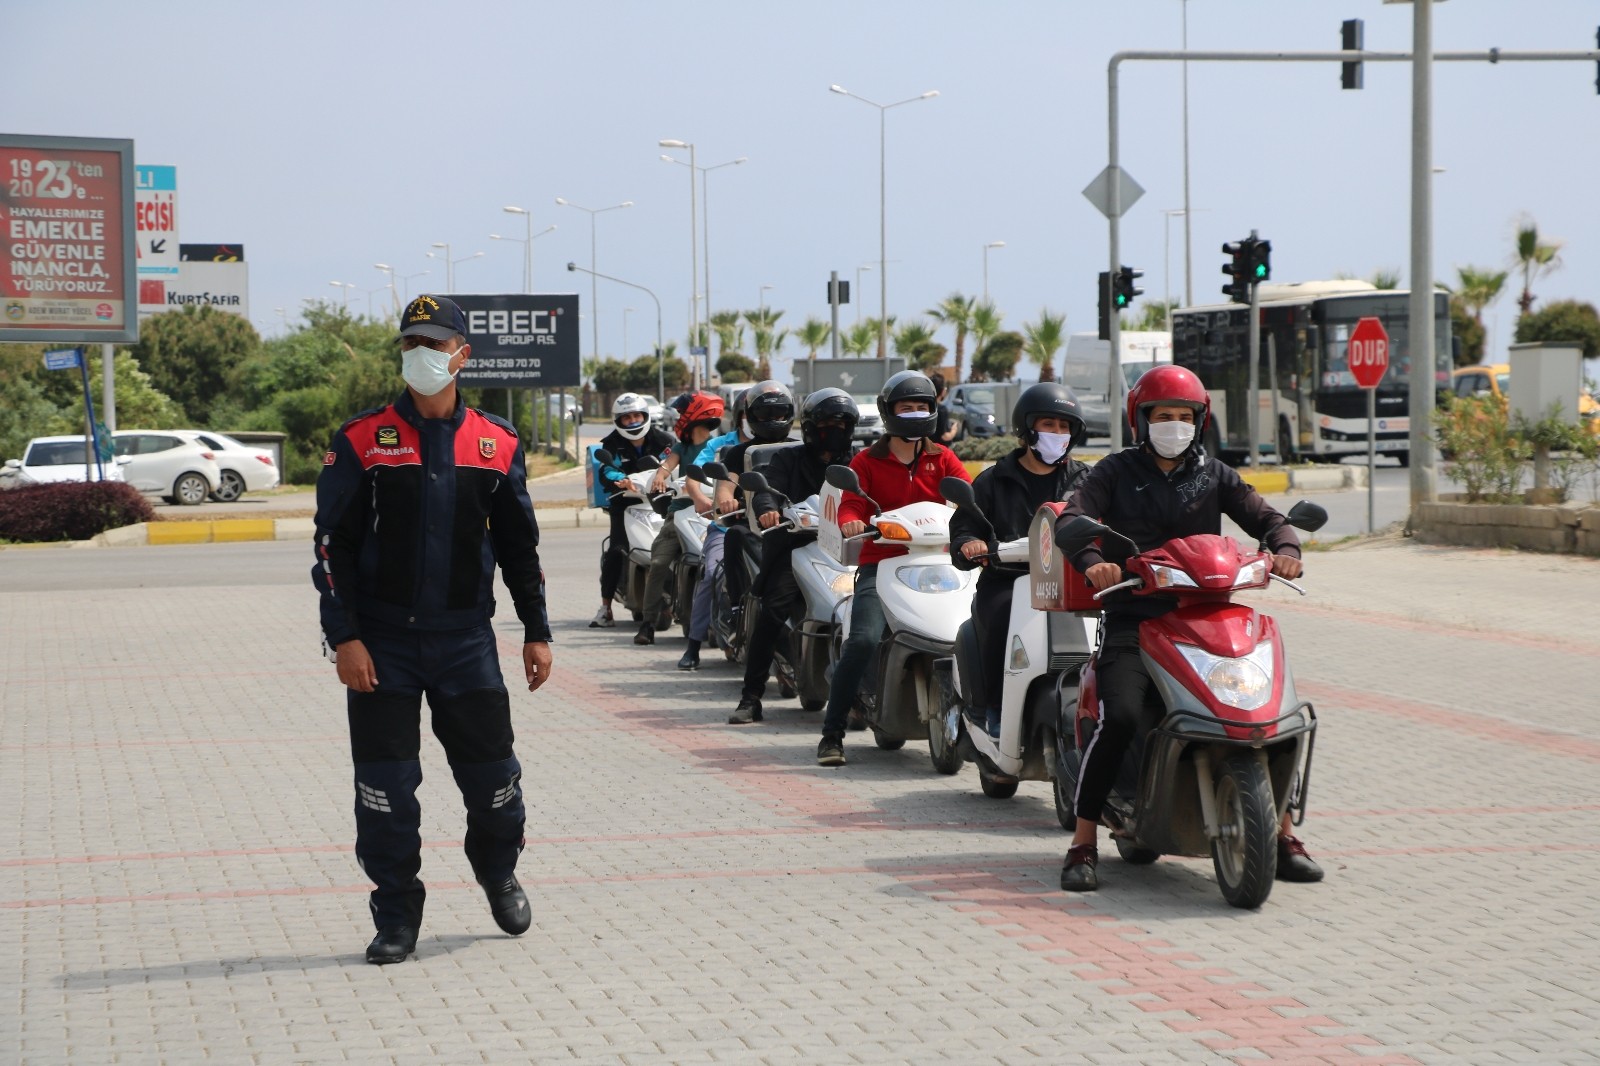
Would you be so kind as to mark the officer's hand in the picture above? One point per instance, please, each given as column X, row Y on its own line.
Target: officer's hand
column 356, row 670
column 1287, row 566
column 973, row 548
column 536, row 662
column 851, row 529
column 1103, row 575
column 768, row 519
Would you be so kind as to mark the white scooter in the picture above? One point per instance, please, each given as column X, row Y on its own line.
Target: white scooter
column 925, row 600
column 643, row 523
column 691, row 527
column 1044, row 656
column 803, row 659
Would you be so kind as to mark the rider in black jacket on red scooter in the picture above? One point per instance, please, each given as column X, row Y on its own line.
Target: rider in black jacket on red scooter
column 1161, row 488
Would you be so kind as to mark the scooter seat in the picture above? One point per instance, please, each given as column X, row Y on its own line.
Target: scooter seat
column 970, row 666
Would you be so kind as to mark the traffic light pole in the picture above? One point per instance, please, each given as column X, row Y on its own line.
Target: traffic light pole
column 1423, row 485
column 1253, row 401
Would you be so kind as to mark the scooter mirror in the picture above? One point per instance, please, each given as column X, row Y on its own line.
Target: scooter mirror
column 752, row 481
column 716, row 472
column 958, row 490
column 1308, row 516
column 694, row 473
column 648, row 462
column 604, row 455
column 1080, row 532
column 842, row 477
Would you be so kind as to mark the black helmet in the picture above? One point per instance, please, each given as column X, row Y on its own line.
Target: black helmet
column 822, row 406
column 769, row 407
column 908, row 385
column 1047, row 399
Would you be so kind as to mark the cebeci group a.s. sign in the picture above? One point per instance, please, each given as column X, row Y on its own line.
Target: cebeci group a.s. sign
column 521, row 341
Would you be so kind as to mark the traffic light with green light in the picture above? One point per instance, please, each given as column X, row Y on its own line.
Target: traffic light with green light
column 1123, row 291
column 1260, row 261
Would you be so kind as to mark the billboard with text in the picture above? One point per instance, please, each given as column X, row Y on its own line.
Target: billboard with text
column 521, row 341
column 67, row 269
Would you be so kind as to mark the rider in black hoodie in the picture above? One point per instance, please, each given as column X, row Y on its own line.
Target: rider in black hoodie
column 1047, row 422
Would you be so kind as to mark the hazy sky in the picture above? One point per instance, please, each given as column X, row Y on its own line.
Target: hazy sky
column 326, row 137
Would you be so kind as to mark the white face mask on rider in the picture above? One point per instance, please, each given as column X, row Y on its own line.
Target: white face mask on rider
column 426, row 369
column 1171, row 439
column 1052, row 447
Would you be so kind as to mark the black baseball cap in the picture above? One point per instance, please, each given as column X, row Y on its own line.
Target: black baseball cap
column 435, row 317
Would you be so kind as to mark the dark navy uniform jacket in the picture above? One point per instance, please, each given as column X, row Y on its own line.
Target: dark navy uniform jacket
column 413, row 514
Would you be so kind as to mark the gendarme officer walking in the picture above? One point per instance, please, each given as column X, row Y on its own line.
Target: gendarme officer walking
column 416, row 503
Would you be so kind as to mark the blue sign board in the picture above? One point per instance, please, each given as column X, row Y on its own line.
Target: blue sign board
column 61, row 359
column 156, row 179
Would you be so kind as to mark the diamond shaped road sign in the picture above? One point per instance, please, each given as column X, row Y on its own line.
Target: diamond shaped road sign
column 1098, row 191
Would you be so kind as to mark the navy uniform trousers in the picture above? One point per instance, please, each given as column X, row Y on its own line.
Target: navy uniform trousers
column 459, row 672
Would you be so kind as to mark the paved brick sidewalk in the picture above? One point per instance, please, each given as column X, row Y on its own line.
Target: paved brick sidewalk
column 176, row 883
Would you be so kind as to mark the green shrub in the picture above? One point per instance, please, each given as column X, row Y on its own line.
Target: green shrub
column 1479, row 448
column 984, row 448
column 70, row 510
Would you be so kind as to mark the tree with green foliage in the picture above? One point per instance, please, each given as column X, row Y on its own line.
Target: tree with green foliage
column 608, row 376
column 813, row 334
column 1564, row 320
column 1044, row 339
column 735, row 368
column 987, row 321
column 1152, row 317
column 1533, row 257
column 997, row 359
column 729, row 328
column 769, row 339
column 190, row 354
column 915, row 344
column 1477, row 288
column 956, row 312
column 859, row 339
column 641, row 375
column 1385, row 279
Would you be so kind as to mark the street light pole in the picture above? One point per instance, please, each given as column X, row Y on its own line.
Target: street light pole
column 761, row 299
column 594, row 292
column 344, row 288
column 991, row 244
column 394, row 295
column 661, row 385
column 859, row 301
column 883, row 200
column 705, row 214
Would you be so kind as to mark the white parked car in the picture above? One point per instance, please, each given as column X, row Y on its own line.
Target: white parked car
column 166, row 465
column 48, row 459
column 870, row 427
column 244, row 468
column 661, row 416
column 573, row 409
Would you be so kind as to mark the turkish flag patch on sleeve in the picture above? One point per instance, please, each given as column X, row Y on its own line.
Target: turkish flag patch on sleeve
column 327, row 460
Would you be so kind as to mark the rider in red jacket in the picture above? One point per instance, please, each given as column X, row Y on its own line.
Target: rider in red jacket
column 901, row 468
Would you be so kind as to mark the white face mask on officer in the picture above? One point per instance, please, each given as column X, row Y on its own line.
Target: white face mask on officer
column 426, row 369
column 1171, row 439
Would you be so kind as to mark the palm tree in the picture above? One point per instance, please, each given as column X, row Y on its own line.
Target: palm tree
column 1479, row 288
column 1044, row 339
column 1532, row 258
column 910, row 335
column 767, row 336
column 955, row 311
column 813, row 334
column 1385, row 279
column 860, row 338
column 985, row 323
column 729, row 328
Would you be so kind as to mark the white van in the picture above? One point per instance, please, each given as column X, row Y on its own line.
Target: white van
column 1086, row 371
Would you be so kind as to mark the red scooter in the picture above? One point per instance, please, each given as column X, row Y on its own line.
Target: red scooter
column 1233, row 750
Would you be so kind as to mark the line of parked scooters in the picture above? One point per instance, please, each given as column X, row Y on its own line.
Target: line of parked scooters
column 1232, row 752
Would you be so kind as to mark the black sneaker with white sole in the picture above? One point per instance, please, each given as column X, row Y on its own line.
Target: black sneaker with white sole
column 831, row 751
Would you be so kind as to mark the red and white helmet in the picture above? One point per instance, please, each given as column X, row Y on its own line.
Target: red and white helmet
column 631, row 403
column 703, row 408
column 1170, row 385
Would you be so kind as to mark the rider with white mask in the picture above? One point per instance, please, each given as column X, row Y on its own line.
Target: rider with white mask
column 1161, row 488
column 1048, row 424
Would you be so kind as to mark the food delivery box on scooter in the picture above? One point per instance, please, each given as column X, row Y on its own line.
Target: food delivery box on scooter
column 592, row 483
column 1053, row 585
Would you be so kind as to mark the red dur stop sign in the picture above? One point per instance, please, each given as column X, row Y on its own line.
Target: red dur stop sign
column 1368, row 353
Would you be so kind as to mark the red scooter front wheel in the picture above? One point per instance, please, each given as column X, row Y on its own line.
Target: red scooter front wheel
column 1245, row 855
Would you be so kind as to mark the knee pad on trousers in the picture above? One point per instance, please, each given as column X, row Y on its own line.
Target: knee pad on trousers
column 384, row 726
column 492, row 794
column 475, row 726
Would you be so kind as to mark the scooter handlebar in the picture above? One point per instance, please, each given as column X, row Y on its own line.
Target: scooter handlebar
column 1131, row 583
column 1286, row 581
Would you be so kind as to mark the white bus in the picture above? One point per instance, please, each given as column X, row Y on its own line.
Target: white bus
column 1310, row 408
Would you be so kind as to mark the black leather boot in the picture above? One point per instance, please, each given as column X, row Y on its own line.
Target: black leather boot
column 394, row 944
